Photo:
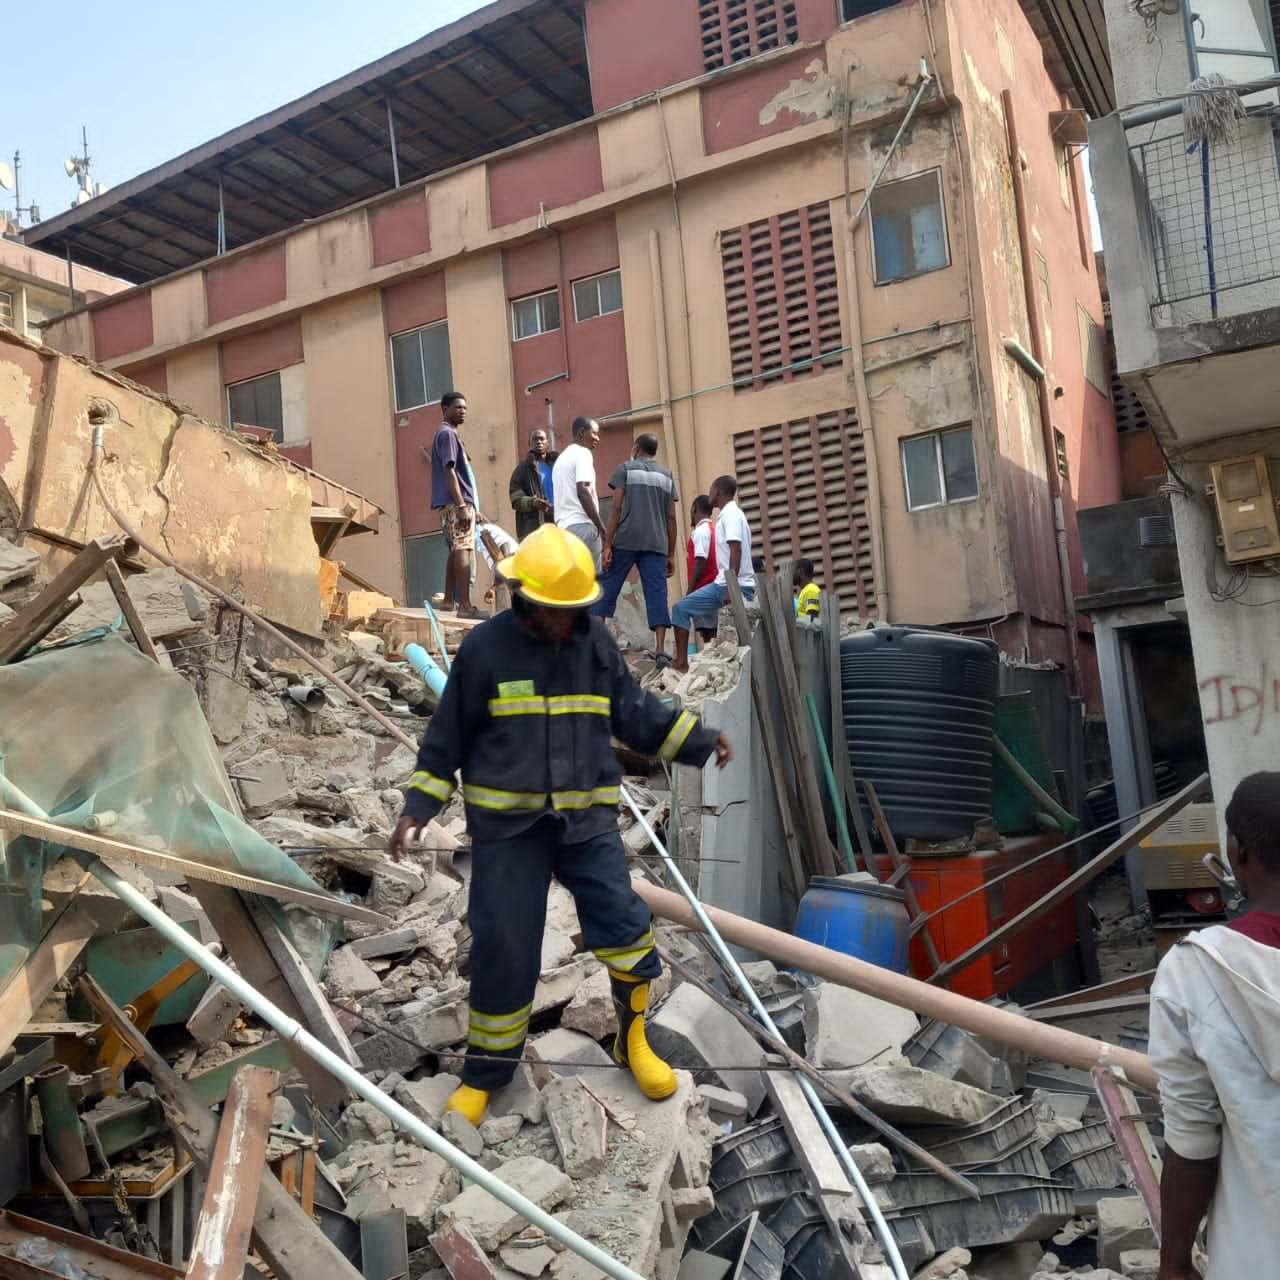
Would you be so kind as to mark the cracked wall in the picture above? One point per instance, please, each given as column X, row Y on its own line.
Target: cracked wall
column 217, row 506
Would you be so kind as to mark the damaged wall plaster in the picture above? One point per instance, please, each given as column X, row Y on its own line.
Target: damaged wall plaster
column 812, row 96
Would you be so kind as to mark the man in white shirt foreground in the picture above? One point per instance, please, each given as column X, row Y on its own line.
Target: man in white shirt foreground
column 733, row 555
column 573, row 480
column 1215, row 1044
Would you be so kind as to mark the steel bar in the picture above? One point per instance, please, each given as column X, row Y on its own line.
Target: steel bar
column 1133, row 1138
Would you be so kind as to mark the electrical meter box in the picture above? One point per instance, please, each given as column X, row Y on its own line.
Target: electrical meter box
column 1246, row 509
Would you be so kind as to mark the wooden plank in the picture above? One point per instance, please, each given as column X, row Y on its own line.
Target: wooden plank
column 821, row 855
column 290, row 1242
column 840, row 760
column 235, row 925
column 1103, row 991
column 104, row 847
column 55, row 953
column 137, row 628
column 902, row 875
column 101, row 1259
column 1091, row 1009
column 220, row 1249
column 1064, row 889
column 772, row 752
column 30, row 625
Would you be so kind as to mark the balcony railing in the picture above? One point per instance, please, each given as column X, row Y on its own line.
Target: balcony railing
column 1213, row 218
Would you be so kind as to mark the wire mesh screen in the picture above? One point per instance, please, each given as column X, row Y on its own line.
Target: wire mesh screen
column 1214, row 213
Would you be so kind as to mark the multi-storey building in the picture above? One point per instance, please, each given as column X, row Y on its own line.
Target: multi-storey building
column 1191, row 225
column 837, row 247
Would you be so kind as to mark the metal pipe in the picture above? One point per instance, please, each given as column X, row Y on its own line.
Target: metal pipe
column 291, row 1031
column 63, row 1136
column 833, row 791
column 926, row 79
column 391, row 136
column 762, row 1014
column 542, row 382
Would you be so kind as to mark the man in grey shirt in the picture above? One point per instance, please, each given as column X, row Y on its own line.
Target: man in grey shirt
column 641, row 534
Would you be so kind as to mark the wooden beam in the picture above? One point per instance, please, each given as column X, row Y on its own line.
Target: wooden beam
column 220, row 1250
column 120, row 589
column 30, row 625
column 1064, row 889
column 30, row 986
column 1092, row 1008
column 290, row 1242
column 1103, row 991
column 104, row 847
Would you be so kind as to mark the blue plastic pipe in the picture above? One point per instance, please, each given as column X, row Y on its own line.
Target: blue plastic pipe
column 427, row 667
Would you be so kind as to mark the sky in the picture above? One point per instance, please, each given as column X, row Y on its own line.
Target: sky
column 151, row 79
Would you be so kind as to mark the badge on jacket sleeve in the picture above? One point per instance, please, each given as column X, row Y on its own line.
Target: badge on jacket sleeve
column 516, row 689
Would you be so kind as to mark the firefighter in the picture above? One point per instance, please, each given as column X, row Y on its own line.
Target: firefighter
column 527, row 717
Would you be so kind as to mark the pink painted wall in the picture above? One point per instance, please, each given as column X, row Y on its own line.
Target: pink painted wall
column 262, row 351
column 596, row 349
column 245, row 283
column 556, row 173
column 154, row 375
column 123, row 326
column 816, row 19
column 400, row 229
column 635, row 49
column 416, row 302
column 731, row 106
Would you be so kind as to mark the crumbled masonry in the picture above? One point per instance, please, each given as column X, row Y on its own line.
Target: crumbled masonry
column 655, row 1185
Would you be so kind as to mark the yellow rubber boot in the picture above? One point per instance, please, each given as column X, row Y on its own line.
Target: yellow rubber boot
column 630, row 999
column 469, row 1102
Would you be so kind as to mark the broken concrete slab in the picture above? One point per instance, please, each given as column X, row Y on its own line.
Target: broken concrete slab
column 559, row 986
column 185, row 909
column 347, row 975
column 527, row 1262
column 263, row 784
column 488, row 1219
column 392, row 942
column 158, row 597
column 499, row 1129
column 364, row 805
column 461, row 1253
column 1140, row 1264
column 418, row 1182
column 562, row 913
column 521, row 1097
column 462, row 1133
column 414, row 1036
column 691, row 1030
column 427, row 1098
column 591, row 1009
column 394, row 886
column 363, row 1122
column 911, row 1095
column 1123, row 1226
column 692, row 1203
column 846, row 1028
column 578, row 1124
column 723, row 1102
column 562, row 1052
column 556, row 950
column 17, row 563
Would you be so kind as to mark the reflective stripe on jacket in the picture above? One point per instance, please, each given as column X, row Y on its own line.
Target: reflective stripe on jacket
column 529, row 723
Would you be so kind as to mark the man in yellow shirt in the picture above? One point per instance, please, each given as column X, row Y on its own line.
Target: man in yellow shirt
column 808, row 593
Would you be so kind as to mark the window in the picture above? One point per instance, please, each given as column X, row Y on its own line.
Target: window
column 733, row 30
column 257, row 402
column 1236, row 38
column 1060, row 453
column 538, row 313
column 420, row 365
column 939, row 468
column 597, row 296
column 803, row 488
column 6, row 308
column 850, row 10
column 908, row 229
column 1093, row 350
column 782, row 297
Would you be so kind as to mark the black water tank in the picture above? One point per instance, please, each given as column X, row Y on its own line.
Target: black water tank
column 919, row 712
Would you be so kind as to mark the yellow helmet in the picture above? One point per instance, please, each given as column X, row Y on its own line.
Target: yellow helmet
column 553, row 567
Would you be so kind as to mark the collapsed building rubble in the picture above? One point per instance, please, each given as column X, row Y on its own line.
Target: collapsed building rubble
column 116, row 1058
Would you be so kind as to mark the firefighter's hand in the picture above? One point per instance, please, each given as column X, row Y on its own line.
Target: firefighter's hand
column 724, row 751
column 406, row 836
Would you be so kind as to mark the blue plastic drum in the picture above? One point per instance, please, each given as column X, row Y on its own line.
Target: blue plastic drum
column 860, row 918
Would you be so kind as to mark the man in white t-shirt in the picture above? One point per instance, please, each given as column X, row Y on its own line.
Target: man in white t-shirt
column 733, row 555
column 573, row 480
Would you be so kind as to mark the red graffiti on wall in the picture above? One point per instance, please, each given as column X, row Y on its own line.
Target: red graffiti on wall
column 1228, row 698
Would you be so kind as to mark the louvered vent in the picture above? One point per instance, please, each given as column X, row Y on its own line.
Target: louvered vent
column 782, row 296
column 736, row 29
column 803, row 487
column 1156, row 531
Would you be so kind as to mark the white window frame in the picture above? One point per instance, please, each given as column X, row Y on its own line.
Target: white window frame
column 936, row 438
column 418, row 330
column 8, row 306
column 543, row 327
column 946, row 233
column 259, row 377
column 600, row 308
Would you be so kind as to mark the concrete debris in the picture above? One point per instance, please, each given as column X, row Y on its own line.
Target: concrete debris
column 18, row 563
column 563, row 1052
column 1140, row 1264
column 910, row 1095
column 527, row 1262
column 498, row 1130
column 591, row 1009
column 727, row 1103
column 844, row 1028
column 1123, row 1226
column 158, row 596
column 578, row 1124
column 426, row 1098
column 488, row 1219
column 348, row 975
column 462, row 1133
column 945, row 1265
